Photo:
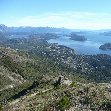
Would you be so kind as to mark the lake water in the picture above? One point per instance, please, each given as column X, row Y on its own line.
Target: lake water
column 89, row 47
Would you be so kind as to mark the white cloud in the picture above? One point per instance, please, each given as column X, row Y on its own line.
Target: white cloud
column 75, row 20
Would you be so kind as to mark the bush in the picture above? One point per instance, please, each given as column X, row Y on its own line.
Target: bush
column 106, row 105
column 64, row 103
column 0, row 107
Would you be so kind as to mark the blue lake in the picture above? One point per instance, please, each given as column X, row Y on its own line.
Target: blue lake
column 89, row 47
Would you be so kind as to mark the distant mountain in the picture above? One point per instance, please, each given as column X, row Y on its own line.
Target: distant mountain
column 29, row 29
column 2, row 37
column 3, row 28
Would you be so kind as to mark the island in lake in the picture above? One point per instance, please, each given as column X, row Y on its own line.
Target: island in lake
column 107, row 33
column 77, row 37
column 106, row 46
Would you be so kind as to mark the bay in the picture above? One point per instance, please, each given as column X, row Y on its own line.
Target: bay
column 89, row 47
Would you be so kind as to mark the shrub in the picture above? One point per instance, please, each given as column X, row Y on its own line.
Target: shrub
column 64, row 103
column 0, row 107
column 106, row 105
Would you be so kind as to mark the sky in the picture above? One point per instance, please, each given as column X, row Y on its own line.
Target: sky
column 74, row 14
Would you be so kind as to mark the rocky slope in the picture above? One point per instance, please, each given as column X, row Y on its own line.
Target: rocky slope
column 34, row 89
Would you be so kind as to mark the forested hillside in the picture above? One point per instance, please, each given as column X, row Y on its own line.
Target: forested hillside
column 42, row 76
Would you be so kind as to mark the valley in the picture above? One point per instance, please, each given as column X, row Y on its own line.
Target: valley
column 31, row 65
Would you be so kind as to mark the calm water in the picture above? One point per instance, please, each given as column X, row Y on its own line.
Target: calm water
column 89, row 47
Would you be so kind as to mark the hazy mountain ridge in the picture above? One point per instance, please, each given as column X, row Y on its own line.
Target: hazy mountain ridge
column 29, row 29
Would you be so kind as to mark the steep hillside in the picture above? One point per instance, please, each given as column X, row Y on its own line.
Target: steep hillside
column 31, row 82
column 18, row 70
column 75, row 96
column 9, row 60
column 37, row 75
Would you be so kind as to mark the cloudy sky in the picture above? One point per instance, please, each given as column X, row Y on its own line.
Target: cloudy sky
column 74, row 14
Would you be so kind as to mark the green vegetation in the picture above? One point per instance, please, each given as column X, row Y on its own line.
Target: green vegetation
column 11, row 65
column 18, row 75
column 7, row 94
column 34, row 60
column 105, row 105
column 0, row 107
column 64, row 103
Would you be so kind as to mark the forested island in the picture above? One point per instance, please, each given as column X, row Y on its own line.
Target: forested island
column 77, row 37
column 106, row 46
